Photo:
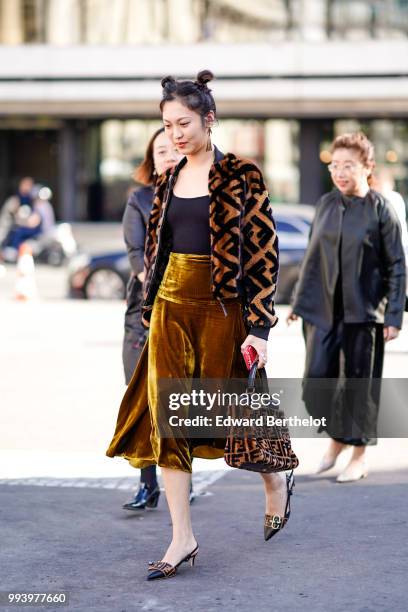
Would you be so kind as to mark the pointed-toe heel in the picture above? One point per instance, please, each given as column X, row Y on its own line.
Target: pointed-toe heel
column 191, row 557
column 273, row 522
column 325, row 465
column 159, row 569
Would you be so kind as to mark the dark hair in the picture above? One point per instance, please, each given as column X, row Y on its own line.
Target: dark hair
column 193, row 94
column 144, row 173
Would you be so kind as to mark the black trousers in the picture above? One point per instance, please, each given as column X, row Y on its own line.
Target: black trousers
column 350, row 357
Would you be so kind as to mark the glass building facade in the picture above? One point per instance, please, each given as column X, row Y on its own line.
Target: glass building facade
column 119, row 22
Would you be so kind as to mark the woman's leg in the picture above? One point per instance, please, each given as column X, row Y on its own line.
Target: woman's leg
column 275, row 493
column 358, row 453
column 177, row 485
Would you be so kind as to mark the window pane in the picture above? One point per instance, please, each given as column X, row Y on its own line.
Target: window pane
column 123, row 145
column 281, row 159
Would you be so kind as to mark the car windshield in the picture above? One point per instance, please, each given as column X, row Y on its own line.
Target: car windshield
column 292, row 226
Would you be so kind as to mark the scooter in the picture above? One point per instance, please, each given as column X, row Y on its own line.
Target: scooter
column 54, row 247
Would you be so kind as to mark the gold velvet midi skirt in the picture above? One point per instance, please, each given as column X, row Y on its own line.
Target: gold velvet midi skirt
column 190, row 336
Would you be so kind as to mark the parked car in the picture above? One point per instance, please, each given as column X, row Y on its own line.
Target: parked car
column 293, row 224
column 99, row 277
column 105, row 276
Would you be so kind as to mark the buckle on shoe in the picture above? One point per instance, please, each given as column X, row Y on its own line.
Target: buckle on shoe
column 274, row 521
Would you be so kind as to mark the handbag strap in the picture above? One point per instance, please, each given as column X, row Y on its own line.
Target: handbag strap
column 252, row 374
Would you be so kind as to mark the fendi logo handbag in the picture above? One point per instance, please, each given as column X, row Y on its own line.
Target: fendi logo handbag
column 264, row 448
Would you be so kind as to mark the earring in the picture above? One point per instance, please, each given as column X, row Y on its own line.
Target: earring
column 209, row 145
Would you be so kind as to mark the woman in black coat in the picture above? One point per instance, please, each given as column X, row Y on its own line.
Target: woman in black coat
column 351, row 297
column 160, row 155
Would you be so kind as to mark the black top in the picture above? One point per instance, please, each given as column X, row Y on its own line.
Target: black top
column 188, row 220
column 338, row 306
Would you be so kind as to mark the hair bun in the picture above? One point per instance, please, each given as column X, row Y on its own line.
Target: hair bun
column 204, row 77
column 169, row 83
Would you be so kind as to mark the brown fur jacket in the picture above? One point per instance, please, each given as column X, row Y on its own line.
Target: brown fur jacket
column 244, row 243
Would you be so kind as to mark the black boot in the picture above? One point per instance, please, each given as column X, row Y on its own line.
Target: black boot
column 144, row 498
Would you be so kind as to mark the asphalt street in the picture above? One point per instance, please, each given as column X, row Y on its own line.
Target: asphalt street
column 343, row 549
column 62, row 525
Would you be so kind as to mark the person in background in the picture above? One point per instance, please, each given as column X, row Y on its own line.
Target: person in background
column 383, row 181
column 160, row 155
column 43, row 208
column 32, row 221
column 351, row 297
column 17, row 208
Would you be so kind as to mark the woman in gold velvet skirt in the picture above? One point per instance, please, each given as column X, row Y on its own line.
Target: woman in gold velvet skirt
column 211, row 263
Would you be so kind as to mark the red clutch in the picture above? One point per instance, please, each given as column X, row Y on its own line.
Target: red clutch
column 250, row 356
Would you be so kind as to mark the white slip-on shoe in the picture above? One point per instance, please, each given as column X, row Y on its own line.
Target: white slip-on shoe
column 353, row 472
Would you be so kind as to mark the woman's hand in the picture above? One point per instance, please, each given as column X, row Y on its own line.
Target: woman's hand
column 261, row 347
column 141, row 276
column 291, row 317
column 390, row 333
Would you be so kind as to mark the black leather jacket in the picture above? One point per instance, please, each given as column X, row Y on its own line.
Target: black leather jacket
column 135, row 220
column 372, row 262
